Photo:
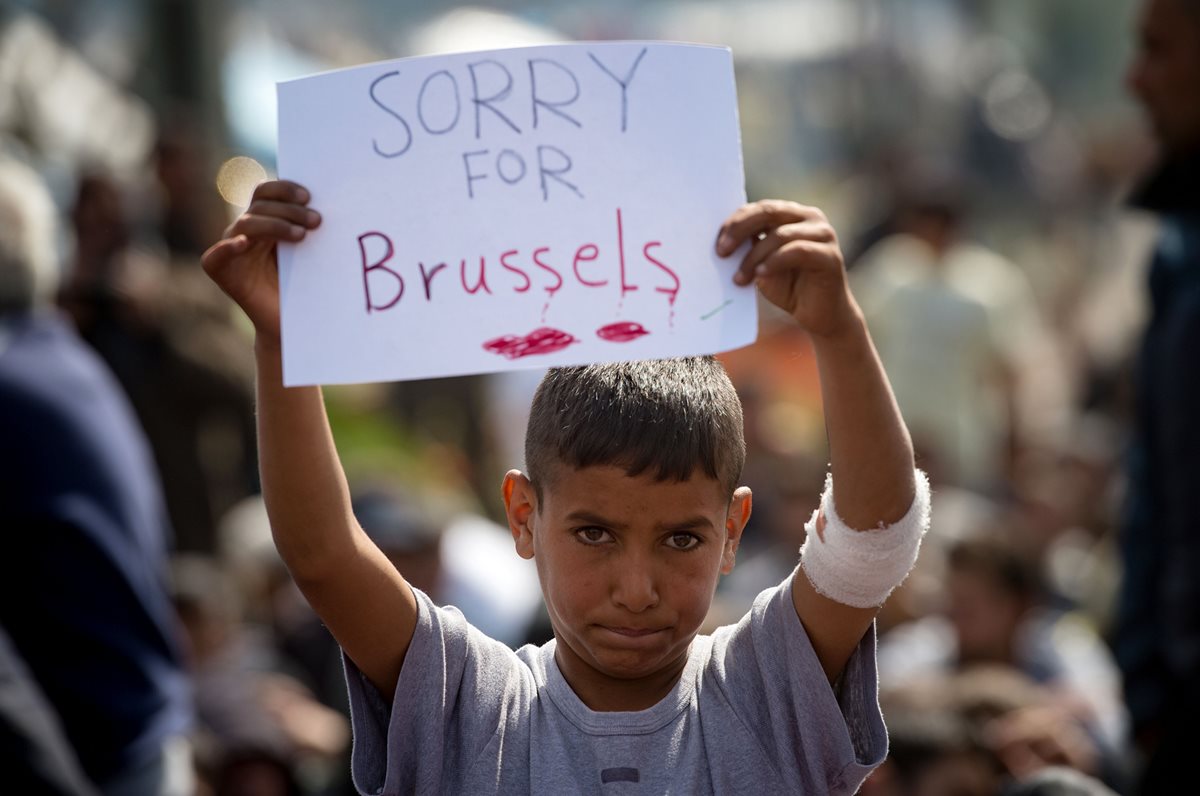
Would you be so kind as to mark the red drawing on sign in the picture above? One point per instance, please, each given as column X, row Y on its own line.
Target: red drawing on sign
column 539, row 341
column 622, row 331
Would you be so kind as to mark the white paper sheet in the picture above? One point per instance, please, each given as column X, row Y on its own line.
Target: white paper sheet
column 515, row 208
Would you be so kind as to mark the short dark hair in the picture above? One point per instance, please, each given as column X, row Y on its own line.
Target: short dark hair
column 669, row 417
column 994, row 555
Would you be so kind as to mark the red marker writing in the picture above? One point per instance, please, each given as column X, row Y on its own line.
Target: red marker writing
column 622, row 331
column 540, row 341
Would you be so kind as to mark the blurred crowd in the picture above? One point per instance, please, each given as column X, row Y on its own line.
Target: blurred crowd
column 149, row 632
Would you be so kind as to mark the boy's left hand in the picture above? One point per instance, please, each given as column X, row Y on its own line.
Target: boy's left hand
column 796, row 261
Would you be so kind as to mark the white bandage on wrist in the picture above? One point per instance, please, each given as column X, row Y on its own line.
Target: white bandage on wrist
column 861, row 568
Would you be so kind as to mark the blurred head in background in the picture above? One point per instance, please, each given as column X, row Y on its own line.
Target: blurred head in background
column 28, row 236
column 407, row 529
column 1165, row 73
column 991, row 586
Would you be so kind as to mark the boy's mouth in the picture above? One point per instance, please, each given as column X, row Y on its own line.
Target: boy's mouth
column 633, row 632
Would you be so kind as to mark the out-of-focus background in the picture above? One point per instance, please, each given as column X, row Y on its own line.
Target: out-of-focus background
column 988, row 143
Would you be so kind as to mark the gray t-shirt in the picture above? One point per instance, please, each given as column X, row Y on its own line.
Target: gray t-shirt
column 752, row 713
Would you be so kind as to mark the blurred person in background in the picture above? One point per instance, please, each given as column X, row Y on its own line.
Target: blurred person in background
column 455, row 556
column 996, row 615
column 958, row 329
column 1058, row 781
column 1158, row 625
column 933, row 750
column 274, row 636
column 789, row 481
column 83, row 592
column 986, row 731
column 35, row 755
column 260, row 731
column 171, row 343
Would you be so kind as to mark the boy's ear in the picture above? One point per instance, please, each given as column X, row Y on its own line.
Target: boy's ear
column 520, row 504
column 735, row 523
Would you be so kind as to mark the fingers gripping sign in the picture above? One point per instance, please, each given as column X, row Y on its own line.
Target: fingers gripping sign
column 794, row 258
column 244, row 264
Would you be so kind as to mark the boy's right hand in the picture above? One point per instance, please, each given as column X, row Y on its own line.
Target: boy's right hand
column 243, row 263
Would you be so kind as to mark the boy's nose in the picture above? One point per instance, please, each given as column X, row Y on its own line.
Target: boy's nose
column 634, row 586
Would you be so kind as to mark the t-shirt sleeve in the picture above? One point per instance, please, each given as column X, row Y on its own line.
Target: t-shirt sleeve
column 828, row 739
column 455, row 692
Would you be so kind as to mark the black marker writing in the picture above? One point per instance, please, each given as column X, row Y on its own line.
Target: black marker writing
column 554, row 174
column 486, row 102
column 624, row 83
column 553, row 107
column 407, row 130
column 421, row 103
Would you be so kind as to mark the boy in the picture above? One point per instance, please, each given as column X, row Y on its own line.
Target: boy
column 631, row 514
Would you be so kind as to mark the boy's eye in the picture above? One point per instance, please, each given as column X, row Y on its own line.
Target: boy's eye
column 683, row 541
column 592, row 535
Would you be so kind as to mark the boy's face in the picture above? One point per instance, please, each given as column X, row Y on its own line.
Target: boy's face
column 628, row 567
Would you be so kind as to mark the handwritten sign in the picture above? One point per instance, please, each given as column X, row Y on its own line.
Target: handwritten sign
column 515, row 208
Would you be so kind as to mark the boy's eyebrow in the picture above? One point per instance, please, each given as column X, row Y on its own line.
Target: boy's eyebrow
column 583, row 515
column 698, row 522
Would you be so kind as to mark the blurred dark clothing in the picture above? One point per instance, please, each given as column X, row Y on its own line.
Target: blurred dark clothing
column 82, row 578
column 188, row 374
column 1157, row 636
column 35, row 755
column 167, row 333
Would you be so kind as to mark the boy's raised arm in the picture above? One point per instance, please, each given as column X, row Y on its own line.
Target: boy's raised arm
column 349, row 582
column 797, row 263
